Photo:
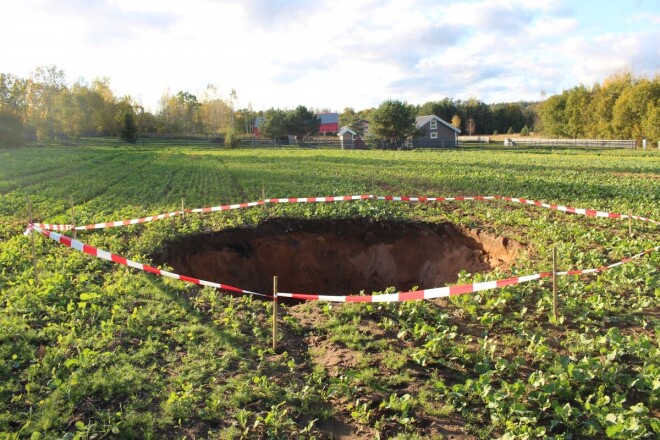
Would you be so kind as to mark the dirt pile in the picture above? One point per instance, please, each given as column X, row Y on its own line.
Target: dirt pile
column 338, row 256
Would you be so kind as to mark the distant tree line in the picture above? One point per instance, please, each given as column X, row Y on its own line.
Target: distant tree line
column 471, row 116
column 45, row 106
column 300, row 122
column 622, row 107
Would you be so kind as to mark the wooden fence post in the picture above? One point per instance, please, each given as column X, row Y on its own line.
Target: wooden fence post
column 34, row 252
column 275, row 313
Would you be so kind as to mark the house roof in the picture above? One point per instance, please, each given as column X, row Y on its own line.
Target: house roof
column 421, row 121
column 345, row 130
column 329, row 118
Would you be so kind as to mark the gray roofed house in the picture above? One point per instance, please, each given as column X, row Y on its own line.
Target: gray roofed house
column 435, row 132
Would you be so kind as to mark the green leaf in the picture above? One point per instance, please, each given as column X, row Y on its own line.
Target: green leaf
column 614, row 430
column 70, row 362
column 655, row 425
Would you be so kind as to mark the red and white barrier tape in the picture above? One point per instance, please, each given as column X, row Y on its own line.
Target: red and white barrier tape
column 134, row 221
column 443, row 292
column 439, row 292
column 568, row 209
column 91, row 250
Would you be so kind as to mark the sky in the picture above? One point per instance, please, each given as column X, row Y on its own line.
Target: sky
column 333, row 54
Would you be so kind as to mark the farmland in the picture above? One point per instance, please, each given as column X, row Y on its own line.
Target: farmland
column 100, row 350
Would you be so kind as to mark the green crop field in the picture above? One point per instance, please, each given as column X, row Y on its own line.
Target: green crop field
column 99, row 350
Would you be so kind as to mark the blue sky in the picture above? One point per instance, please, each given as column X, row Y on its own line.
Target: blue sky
column 333, row 54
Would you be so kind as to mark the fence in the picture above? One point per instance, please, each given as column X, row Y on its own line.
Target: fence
column 335, row 143
column 588, row 143
column 479, row 139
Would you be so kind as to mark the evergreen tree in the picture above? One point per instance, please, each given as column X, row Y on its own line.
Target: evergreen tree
column 129, row 130
column 392, row 123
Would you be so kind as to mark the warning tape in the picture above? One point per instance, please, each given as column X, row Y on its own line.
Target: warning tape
column 91, row 250
column 439, row 292
column 443, row 292
column 328, row 199
column 110, row 224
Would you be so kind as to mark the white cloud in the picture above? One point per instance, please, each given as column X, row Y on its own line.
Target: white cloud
column 321, row 53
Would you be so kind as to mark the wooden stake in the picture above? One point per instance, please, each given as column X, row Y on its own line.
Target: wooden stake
column 630, row 223
column 263, row 197
column 275, row 313
column 554, row 282
column 183, row 210
column 34, row 251
column 73, row 219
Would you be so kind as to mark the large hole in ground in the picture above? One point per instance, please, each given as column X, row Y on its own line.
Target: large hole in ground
column 338, row 256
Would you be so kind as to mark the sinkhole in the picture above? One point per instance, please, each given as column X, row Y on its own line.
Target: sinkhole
column 338, row 256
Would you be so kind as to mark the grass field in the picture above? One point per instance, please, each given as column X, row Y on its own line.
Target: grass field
column 97, row 350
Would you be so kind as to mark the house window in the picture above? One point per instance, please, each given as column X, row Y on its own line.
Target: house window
column 434, row 135
column 434, row 124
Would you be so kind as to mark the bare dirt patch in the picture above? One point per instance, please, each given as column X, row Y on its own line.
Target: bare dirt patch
column 338, row 256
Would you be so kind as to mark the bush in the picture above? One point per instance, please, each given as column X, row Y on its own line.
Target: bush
column 510, row 130
column 524, row 131
column 231, row 141
column 11, row 130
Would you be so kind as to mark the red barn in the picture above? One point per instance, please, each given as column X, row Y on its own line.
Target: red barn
column 329, row 123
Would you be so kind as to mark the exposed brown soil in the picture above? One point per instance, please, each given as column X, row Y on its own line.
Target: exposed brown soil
column 338, row 256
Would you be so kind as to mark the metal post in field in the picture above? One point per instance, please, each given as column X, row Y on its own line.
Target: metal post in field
column 275, row 313
column 73, row 219
column 554, row 282
column 34, row 252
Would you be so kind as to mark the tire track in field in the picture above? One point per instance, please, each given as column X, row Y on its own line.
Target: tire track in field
column 124, row 165
column 235, row 182
column 60, row 172
column 129, row 169
column 41, row 189
column 67, row 158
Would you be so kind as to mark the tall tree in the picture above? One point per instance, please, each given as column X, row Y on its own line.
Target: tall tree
column 456, row 121
column 393, row 122
column 214, row 113
column 11, row 129
column 44, row 93
column 553, row 115
column 274, row 124
column 302, row 122
column 355, row 121
column 471, row 126
column 630, row 110
column 444, row 109
column 129, row 129
column 576, row 118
